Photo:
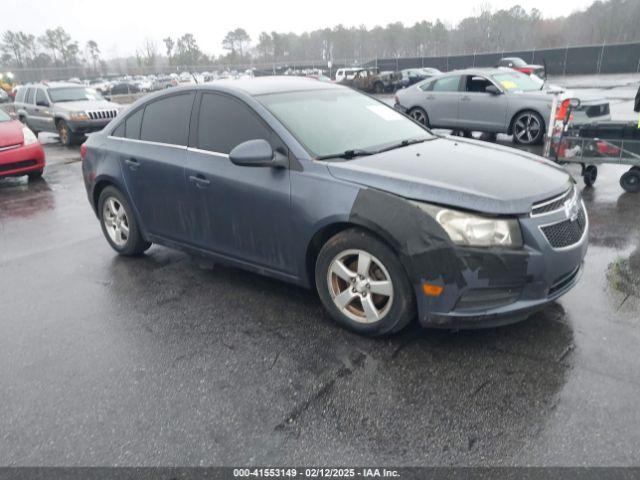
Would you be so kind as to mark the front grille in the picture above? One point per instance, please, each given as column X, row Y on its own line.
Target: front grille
column 563, row 282
column 568, row 232
column 552, row 204
column 15, row 165
column 597, row 110
column 102, row 114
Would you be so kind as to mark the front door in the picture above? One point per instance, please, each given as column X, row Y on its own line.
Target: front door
column 480, row 110
column 237, row 211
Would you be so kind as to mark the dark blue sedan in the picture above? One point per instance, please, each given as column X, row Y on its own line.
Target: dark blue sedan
column 325, row 187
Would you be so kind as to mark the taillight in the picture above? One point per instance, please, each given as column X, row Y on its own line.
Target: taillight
column 83, row 150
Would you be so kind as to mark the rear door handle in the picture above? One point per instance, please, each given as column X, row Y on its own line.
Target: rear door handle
column 132, row 163
column 466, row 99
column 430, row 97
column 199, row 180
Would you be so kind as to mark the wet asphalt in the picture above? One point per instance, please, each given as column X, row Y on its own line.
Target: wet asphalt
column 162, row 360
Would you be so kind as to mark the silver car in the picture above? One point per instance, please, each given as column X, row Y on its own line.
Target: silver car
column 490, row 100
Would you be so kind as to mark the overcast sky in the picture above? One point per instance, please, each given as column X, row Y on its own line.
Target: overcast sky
column 121, row 26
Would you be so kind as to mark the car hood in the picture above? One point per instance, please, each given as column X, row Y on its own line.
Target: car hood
column 88, row 105
column 466, row 174
column 11, row 133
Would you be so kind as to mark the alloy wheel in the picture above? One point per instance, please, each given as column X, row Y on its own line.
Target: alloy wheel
column 527, row 128
column 115, row 221
column 360, row 286
column 419, row 116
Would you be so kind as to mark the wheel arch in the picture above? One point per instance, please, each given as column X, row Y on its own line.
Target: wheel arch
column 325, row 233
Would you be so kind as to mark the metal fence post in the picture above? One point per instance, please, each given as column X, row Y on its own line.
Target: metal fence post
column 564, row 68
column 600, row 59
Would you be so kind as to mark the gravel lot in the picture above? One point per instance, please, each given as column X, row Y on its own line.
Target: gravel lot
column 162, row 360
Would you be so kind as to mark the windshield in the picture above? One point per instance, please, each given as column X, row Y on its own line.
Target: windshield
column 73, row 94
column 516, row 81
column 331, row 121
column 4, row 117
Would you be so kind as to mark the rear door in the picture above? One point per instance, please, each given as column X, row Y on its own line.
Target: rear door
column 29, row 107
column 42, row 118
column 152, row 155
column 441, row 99
column 480, row 110
column 238, row 211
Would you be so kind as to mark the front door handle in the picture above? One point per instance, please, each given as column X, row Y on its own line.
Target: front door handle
column 466, row 99
column 132, row 163
column 199, row 180
column 430, row 97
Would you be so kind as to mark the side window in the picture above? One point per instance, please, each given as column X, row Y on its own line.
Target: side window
column 426, row 85
column 29, row 96
column 447, row 84
column 118, row 131
column 20, row 94
column 167, row 120
column 476, row 84
column 224, row 123
column 41, row 97
column 132, row 125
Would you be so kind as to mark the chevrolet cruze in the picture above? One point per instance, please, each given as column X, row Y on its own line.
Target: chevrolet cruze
column 322, row 186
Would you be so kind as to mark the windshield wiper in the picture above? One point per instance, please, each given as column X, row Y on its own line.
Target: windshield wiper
column 403, row 143
column 348, row 154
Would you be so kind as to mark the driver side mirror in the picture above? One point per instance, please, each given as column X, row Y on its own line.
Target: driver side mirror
column 493, row 90
column 257, row 153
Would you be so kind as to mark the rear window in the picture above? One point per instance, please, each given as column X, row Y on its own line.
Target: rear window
column 167, row 120
column 447, row 84
column 20, row 94
column 132, row 125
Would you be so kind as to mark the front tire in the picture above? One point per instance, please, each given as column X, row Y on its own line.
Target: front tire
column 527, row 128
column 35, row 175
column 362, row 284
column 119, row 224
column 67, row 137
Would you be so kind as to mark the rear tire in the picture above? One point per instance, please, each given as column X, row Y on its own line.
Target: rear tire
column 590, row 175
column 420, row 116
column 119, row 224
column 363, row 285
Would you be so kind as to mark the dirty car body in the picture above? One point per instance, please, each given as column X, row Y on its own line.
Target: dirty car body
column 188, row 192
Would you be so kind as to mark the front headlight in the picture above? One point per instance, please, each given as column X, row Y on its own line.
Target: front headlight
column 78, row 116
column 29, row 137
column 475, row 230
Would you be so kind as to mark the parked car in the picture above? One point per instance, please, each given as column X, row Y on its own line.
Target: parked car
column 346, row 73
column 101, row 85
column 64, row 108
column 20, row 151
column 124, row 88
column 521, row 66
column 382, row 217
column 164, row 81
column 4, row 96
column 370, row 80
column 489, row 100
column 415, row 75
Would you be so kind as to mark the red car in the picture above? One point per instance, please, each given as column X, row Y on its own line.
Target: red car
column 20, row 151
column 521, row 66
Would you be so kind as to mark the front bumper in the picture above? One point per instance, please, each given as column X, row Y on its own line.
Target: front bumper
column 501, row 286
column 22, row 160
column 88, row 126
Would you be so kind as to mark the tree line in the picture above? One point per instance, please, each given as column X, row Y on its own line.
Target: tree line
column 612, row 21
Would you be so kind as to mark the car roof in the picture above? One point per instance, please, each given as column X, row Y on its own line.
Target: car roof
column 52, row 85
column 266, row 85
column 479, row 71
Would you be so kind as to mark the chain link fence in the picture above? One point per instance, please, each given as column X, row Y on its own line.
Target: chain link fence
column 582, row 60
